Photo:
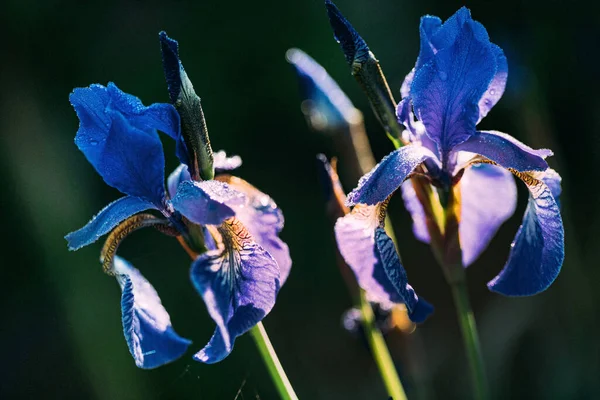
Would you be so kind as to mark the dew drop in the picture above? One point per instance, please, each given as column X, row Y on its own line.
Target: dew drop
column 492, row 92
column 94, row 142
column 443, row 75
column 488, row 102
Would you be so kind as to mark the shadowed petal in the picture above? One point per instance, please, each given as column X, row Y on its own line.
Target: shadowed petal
column 496, row 88
column 447, row 89
column 537, row 253
column 328, row 106
column 415, row 208
column 206, row 202
column 239, row 283
column 117, row 134
column 146, row 324
column 488, row 198
column 388, row 175
column 103, row 222
column 506, row 151
column 264, row 220
column 365, row 248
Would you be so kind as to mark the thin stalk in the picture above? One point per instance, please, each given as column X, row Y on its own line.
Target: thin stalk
column 470, row 339
column 284, row 387
column 380, row 351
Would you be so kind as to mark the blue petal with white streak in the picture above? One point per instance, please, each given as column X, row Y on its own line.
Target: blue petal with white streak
column 239, row 283
column 108, row 218
column 146, row 324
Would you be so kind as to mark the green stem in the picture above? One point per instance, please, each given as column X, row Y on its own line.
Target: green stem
column 284, row 387
column 382, row 356
column 470, row 339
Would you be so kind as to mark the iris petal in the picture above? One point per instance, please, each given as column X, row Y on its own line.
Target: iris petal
column 537, row 253
column 264, row 220
column 329, row 105
column 146, row 324
column 179, row 174
column 488, row 198
column 365, row 247
column 446, row 90
column 118, row 136
column 354, row 47
column 108, row 218
column 496, row 88
column 415, row 208
column 206, row 202
column 506, row 151
column 239, row 283
column 388, row 175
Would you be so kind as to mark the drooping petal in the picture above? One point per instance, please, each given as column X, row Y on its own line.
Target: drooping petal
column 364, row 245
column 488, row 198
column 108, row 218
column 537, row 253
column 552, row 179
column 206, row 202
column 418, row 309
column 415, row 208
column 506, row 151
column 264, row 220
column 117, row 134
column 388, row 175
column 496, row 88
column 239, row 283
column 224, row 163
column 326, row 104
column 146, row 324
column 447, row 89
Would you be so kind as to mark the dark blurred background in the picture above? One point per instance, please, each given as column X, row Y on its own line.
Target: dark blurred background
column 61, row 332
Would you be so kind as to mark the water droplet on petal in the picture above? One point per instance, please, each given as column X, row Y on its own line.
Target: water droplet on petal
column 488, row 102
column 443, row 75
column 492, row 92
column 94, row 142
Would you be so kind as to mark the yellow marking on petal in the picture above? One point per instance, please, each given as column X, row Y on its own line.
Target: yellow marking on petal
column 119, row 234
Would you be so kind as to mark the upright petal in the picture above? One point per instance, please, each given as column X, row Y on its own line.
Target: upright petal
column 488, row 198
column 496, row 87
column 207, row 202
column 506, row 151
column 264, row 220
column 146, row 324
column 108, row 218
column 365, row 247
column 537, row 253
column 388, row 175
column 117, row 134
column 239, row 283
column 447, row 89
column 328, row 106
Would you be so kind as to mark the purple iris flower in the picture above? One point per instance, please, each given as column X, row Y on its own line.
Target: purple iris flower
column 246, row 263
column 458, row 77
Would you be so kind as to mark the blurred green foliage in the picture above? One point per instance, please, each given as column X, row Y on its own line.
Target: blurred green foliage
column 61, row 332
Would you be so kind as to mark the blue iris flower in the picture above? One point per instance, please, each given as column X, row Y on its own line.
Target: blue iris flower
column 458, row 77
column 246, row 263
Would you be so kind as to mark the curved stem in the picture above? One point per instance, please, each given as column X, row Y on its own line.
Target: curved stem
column 470, row 339
column 284, row 387
column 380, row 351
